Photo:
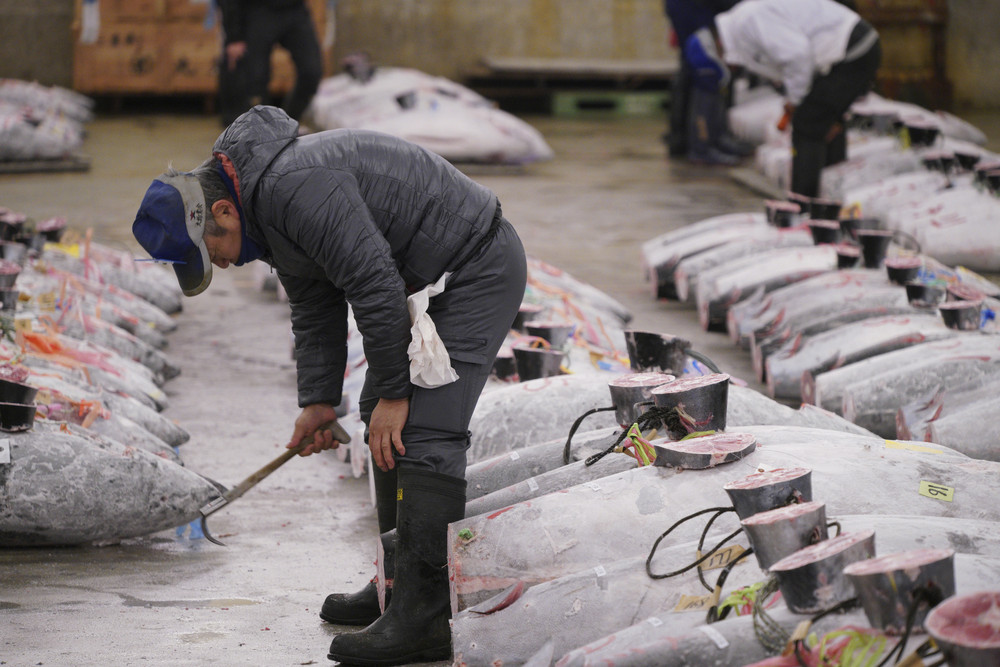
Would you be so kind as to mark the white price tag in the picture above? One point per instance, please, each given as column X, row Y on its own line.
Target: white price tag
column 514, row 456
column 532, row 485
column 600, row 571
column 4, row 451
column 714, row 635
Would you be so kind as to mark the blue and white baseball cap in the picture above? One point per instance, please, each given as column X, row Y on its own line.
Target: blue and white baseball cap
column 170, row 225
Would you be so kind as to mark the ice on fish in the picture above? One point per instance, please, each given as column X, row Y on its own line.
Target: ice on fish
column 661, row 255
column 755, row 241
column 827, row 389
column 63, row 489
column 604, row 520
column 847, row 344
column 720, row 288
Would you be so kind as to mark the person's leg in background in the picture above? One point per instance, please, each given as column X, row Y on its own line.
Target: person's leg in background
column 819, row 138
column 261, row 35
column 707, row 114
column 472, row 316
column 298, row 37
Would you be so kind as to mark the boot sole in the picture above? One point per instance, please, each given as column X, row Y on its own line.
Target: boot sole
column 426, row 655
column 349, row 621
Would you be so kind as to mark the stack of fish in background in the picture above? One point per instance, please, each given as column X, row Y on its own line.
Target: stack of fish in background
column 437, row 113
column 40, row 122
column 82, row 366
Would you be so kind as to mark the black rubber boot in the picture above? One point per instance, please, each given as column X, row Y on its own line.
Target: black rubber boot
column 808, row 160
column 415, row 627
column 362, row 607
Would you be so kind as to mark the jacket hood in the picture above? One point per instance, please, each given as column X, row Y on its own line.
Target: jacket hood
column 251, row 143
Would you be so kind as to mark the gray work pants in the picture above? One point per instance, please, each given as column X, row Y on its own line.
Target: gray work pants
column 473, row 317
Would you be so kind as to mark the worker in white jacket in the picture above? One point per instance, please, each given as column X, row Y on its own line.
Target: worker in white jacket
column 823, row 54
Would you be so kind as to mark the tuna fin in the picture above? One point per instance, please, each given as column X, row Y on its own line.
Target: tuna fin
column 499, row 601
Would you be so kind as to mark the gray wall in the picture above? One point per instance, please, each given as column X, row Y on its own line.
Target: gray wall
column 449, row 37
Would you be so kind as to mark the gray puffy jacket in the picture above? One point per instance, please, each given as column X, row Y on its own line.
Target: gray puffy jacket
column 351, row 217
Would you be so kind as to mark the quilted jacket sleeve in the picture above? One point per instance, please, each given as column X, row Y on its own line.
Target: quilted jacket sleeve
column 322, row 211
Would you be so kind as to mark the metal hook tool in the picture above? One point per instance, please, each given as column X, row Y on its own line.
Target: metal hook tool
column 339, row 434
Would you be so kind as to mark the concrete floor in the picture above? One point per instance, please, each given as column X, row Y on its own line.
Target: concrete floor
column 308, row 529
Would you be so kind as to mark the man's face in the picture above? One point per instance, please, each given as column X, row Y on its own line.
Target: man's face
column 225, row 250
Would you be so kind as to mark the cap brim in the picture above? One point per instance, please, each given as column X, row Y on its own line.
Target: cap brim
column 195, row 274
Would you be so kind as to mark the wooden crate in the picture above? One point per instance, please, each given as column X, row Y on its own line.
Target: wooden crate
column 912, row 33
column 125, row 59
column 163, row 47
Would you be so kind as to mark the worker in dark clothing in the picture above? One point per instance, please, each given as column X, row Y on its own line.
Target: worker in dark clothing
column 252, row 28
column 366, row 220
column 686, row 18
column 824, row 55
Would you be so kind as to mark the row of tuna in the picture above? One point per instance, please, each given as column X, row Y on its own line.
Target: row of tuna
column 842, row 314
column 87, row 456
column 41, row 122
column 912, row 170
column 569, row 484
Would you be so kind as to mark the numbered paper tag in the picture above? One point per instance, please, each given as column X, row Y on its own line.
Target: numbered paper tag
column 721, row 558
column 714, row 635
column 532, row 485
column 937, row 491
column 4, row 451
column 47, row 301
column 801, row 632
column 697, row 602
column 600, row 571
column 913, row 447
column 515, row 456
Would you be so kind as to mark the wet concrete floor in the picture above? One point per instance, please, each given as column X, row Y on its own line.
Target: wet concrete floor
column 171, row 599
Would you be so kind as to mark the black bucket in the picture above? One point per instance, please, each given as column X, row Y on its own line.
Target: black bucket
column 651, row 351
column 849, row 227
column 504, row 366
column 874, row 246
column 903, row 270
column 8, row 299
column 781, row 213
column 52, row 229
column 534, row 363
column 16, row 417
column 961, row 315
column 526, row 313
column 824, row 209
column 17, row 392
column 8, row 273
column 847, row 255
column 824, row 232
column 967, row 161
column 555, row 334
column 924, row 295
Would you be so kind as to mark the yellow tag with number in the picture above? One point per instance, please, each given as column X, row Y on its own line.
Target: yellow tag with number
column 801, row 632
column 937, row 491
column 895, row 444
column 22, row 324
column 698, row 602
column 47, row 301
column 721, row 558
